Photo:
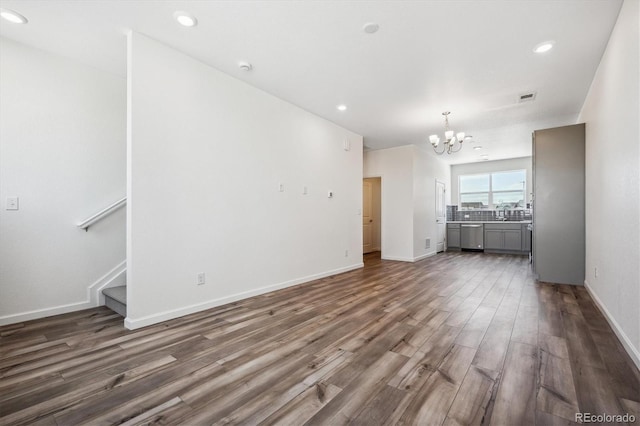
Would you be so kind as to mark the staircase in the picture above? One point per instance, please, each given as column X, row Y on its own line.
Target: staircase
column 116, row 299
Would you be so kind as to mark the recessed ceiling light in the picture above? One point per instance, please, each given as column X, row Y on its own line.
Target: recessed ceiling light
column 342, row 107
column 371, row 28
column 545, row 46
column 13, row 16
column 186, row 19
column 477, row 147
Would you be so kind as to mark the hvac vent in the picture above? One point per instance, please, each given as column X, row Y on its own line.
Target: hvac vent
column 527, row 97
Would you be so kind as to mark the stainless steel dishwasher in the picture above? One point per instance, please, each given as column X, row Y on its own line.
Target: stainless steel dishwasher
column 472, row 236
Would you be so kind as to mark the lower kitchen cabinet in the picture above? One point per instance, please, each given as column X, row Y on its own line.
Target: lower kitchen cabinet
column 493, row 239
column 513, row 239
column 453, row 235
column 503, row 237
column 499, row 237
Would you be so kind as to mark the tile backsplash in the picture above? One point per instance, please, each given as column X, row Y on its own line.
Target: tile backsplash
column 453, row 214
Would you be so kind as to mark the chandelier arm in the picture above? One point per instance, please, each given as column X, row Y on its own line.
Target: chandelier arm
column 459, row 148
column 440, row 152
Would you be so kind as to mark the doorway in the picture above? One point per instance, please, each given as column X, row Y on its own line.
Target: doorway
column 441, row 215
column 371, row 214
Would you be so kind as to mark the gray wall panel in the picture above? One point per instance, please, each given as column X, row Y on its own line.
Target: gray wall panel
column 559, row 200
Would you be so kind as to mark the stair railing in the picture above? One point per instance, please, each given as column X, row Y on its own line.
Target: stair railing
column 85, row 224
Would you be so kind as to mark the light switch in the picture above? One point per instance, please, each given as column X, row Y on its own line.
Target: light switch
column 12, row 203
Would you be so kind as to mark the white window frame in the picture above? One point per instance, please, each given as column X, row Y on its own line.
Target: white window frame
column 491, row 205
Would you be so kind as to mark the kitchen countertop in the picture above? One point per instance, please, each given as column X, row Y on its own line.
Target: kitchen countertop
column 491, row 221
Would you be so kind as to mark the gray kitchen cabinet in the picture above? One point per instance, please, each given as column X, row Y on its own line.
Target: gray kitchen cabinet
column 513, row 239
column 493, row 239
column 453, row 235
column 526, row 238
column 503, row 237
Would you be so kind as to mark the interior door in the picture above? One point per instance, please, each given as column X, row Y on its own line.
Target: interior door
column 367, row 220
column 441, row 215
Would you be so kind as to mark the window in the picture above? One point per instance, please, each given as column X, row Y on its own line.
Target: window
column 498, row 190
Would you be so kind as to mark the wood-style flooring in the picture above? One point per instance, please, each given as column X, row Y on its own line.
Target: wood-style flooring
column 458, row 338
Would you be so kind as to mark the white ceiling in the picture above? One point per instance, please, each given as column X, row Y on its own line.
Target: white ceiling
column 472, row 57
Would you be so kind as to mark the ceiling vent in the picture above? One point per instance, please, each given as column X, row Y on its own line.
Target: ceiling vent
column 527, row 97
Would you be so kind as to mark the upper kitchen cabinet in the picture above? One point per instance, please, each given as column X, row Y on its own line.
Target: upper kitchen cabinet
column 559, row 200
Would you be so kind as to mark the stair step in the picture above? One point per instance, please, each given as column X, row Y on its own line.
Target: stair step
column 117, row 293
column 116, row 299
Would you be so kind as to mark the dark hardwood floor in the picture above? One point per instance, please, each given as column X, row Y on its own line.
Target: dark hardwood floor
column 458, row 338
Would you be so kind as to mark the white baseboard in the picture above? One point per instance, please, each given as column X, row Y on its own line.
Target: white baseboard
column 115, row 277
column 397, row 258
column 408, row 259
column 633, row 352
column 46, row 312
column 135, row 323
column 424, row 256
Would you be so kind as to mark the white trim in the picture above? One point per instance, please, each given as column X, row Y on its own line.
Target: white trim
column 46, row 312
column 397, row 258
column 116, row 276
column 408, row 259
column 624, row 339
column 424, row 256
column 135, row 323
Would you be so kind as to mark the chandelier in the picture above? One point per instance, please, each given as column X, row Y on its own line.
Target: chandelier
column 452, row 143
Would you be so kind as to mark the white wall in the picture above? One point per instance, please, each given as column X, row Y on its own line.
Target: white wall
column 426, row 170
column 491, row 166
column 612, row 115
column 408, row 199
column 62, row 152
column 395, row 167
column 207, row 153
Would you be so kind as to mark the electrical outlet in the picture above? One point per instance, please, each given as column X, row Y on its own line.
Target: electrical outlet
column 200, row 280
column 304, row 190
column 346, row 253
column 595, row 272
column 427, row 243
column 281, row 187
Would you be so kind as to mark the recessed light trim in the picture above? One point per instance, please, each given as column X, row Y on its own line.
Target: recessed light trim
column 371, row 28
column 342, row 107
column 13, row 16
column 543, row 47
column 477, row 147
column 185, row 18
